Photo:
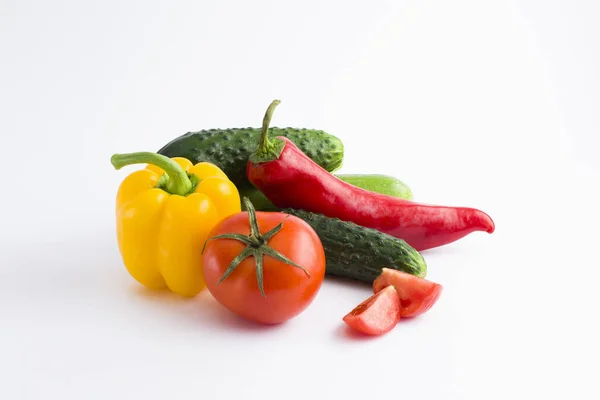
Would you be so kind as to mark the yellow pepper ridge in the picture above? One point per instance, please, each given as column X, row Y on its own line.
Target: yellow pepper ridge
column 164, row 214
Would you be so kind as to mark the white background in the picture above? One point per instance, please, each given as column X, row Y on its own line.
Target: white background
column 490, row 104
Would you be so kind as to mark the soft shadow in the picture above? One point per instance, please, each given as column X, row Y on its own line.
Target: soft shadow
column 406, row 321
column 345, row 332
column 218, row 315
column 347, row 282
column 164, row 298
column 203, row 310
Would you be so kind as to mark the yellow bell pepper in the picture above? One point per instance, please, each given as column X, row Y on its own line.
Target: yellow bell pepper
column 164, row 215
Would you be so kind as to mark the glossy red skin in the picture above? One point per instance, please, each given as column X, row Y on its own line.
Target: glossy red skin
column 416, row 295
column 294, row 180
column 289, row 291
column 377, row 315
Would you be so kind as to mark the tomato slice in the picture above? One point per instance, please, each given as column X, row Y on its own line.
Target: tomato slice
column 417, row 295
column 376, row 315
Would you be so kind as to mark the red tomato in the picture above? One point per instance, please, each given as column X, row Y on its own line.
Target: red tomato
column 417, row 295
column 376, row 315
column 288, row 289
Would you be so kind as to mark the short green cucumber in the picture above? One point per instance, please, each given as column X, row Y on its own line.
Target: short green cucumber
column 258, row 200
column 359, row 253
column 383, row 184
column 378, row 183
column 229, row 149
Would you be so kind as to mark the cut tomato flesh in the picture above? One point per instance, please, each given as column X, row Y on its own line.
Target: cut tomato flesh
column 416, row 295
column 376, row 315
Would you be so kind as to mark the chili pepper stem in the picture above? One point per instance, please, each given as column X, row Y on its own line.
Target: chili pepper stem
column 267, row 150
column 177, row 181
column 265, row 144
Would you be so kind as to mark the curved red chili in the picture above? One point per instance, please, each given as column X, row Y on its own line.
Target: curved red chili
column 289, row 178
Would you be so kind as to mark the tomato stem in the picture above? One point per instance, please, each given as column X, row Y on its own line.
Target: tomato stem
column 256, row 246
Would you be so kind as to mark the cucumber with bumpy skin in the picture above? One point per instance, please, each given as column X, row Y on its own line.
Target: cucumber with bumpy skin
column 383, row 184
column 355, row 252
column 229, row 149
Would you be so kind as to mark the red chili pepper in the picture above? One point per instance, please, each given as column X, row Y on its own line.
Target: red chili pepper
column 289, row 178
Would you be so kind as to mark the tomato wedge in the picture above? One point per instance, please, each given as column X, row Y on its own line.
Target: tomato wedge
column 416, row 295
column 376, row 315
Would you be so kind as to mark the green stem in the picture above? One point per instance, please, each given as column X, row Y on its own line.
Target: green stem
column 256, row 246
column 265, row 144
column 177, row 181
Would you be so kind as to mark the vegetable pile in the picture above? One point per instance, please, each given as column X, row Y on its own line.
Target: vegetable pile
column 259, row 218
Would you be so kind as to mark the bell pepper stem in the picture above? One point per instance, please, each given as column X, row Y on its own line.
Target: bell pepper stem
column 265, row 145
column 177, row 181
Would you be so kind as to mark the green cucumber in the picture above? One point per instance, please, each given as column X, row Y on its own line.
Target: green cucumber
column 383, row 184
column 258, row 200
column 378, row 183
column 359, row 253
column 229, row 149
